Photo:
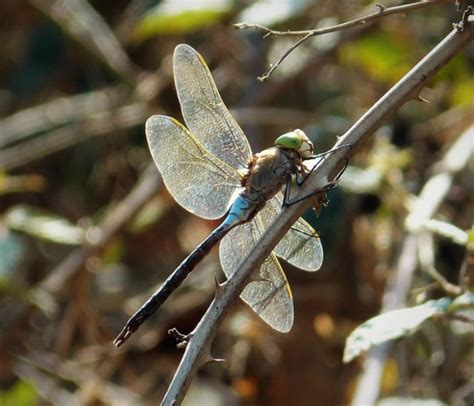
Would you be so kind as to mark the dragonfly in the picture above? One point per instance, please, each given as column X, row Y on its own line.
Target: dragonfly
column 209, row 169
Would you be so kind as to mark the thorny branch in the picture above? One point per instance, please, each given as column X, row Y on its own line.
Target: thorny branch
column 382, row 12
column 197, row 351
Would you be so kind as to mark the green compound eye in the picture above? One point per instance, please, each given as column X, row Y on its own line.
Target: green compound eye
column 291, row 140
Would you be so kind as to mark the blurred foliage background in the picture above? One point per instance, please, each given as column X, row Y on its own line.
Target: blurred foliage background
column 88, row 231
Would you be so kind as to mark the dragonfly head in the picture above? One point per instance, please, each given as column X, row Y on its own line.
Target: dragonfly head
column 297, row 141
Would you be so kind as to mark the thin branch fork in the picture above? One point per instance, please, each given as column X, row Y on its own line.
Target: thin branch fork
column 382, row 12
column 197, row 350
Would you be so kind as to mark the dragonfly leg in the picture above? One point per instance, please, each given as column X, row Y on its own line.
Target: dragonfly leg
column 322, row 155
column 286, row 195
column 342, row 170
column 327, row 188
column 330, row 186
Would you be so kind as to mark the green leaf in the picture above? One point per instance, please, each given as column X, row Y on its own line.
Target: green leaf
column 175, row 17
column 391, row 325
column 462, row 91
column 44, row 225
column 470, row 238
column 21, row 393
column 383, row 56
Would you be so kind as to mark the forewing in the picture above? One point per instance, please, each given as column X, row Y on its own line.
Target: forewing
column 197, row 179
column 301, row 245
column 204, row 113
column 268, row 294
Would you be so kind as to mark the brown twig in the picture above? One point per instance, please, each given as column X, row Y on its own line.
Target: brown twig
column 382, row 12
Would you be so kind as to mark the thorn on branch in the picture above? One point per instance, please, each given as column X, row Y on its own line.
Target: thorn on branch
column 219, row 286
column 422, row 99
column 210, row 359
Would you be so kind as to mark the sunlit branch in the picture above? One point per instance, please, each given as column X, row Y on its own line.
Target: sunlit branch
column 198, row 347
column 306, row 34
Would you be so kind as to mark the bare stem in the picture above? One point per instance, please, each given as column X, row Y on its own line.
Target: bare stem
column 306, row 34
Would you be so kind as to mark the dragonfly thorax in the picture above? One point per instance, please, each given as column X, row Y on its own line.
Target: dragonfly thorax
column 268, row 171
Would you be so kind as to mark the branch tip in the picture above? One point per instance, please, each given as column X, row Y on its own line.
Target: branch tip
column 207, row 359
column 182, row 339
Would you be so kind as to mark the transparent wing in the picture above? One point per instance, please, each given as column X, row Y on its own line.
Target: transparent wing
column 269, row 294
column 300, row 246
column 204, row 113
column 198, row 180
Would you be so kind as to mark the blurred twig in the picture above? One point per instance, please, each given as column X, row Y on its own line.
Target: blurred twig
column 92, row 113
column 273, row 89
column 114, row 221
column 96, row 124
column 130, row 17
column 382, row 12
column 198, row 347
column 58, row 112
column 117, row 218
column 44, row 369
column 436, row 188
column 84, row 24
column 428, row 202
